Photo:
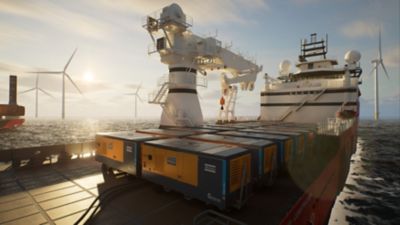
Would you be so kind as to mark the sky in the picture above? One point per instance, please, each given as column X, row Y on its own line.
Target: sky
column 112, row 57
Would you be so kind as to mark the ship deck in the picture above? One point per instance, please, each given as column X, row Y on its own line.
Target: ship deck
column 60, row 193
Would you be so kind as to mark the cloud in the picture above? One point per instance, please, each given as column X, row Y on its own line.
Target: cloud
column 13, row 34
column 393, row 98
column 305, row 2
column 133, row 86
column 392, row 57
column 13, row 67
column 52, row 83
column 222, row 11
column 55, row 15
column 359, row 29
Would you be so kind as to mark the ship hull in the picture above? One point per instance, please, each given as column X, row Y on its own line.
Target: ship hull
column 9, row 123
column 315, row 205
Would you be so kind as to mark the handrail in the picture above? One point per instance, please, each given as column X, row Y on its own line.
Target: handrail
column 298, row 107
column 158, row 97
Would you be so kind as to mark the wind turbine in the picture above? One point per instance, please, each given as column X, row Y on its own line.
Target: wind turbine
column 64, row 74
column 37, row 89
column 378, row 62
column 136, row 94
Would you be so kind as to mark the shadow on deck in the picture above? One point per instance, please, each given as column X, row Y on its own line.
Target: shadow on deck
column 60, row 193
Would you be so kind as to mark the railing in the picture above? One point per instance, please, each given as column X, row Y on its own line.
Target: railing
column 201, row 81
column 334, row 126
column 159, row 96
column 157, row 15
column 41, row 155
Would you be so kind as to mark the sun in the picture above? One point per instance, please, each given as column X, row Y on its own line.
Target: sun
column 88, row 76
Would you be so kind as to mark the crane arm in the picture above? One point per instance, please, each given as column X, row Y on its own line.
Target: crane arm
column 210, row 55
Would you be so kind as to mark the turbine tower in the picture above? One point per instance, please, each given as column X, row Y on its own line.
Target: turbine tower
column 64, row 75
column 136, row 94
column 378, row 62
column 37, row 89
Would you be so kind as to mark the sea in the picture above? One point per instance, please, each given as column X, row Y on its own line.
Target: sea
column 371, row 194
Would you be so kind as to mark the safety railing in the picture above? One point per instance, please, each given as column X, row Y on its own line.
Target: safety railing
column 334, row 126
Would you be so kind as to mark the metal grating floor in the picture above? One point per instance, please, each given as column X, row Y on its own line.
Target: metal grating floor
column 60, row 193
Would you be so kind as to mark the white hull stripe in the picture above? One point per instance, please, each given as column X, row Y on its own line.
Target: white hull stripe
column 342, row 90
column 309, row 104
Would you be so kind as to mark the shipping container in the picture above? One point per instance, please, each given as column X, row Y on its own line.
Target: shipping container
column 263, row 152
column 120, row 151
column 196, row 130
column 168, row 132
column 214, row 173
column 284, row 143
column 298, row 138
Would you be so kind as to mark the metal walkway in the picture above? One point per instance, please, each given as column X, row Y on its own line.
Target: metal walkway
column 60, row 193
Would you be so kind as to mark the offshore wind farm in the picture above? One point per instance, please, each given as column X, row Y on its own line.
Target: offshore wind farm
column 292, row 136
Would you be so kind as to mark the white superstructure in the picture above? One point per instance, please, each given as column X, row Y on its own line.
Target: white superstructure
column 186, row 54
column 316, row 91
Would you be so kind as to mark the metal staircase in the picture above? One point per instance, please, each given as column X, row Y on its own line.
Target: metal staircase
column 306, row 99
column 230, row 107
column 159, row 97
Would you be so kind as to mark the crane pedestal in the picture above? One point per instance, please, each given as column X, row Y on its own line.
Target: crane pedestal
column 182, row 106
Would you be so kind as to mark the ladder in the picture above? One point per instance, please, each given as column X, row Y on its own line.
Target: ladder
column 159, row 96
column 302, row 103
column 230, row 105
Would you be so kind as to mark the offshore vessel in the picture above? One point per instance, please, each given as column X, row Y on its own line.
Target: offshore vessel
column 285, row 168
column 306, row 132
column 11, row 114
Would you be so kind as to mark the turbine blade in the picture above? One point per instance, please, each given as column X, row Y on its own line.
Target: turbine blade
column 380, row 44
column 32, row 89
column 139, row 97
column 384, row 69
column 73, row 83
column 373, row 69
column 138, row 88
column 69, row 61
column 45, row 92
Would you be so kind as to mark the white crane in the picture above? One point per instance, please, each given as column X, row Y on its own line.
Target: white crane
column 137, row 96
column 64, row 75
column 37, row 89
column 186, row 54
column 378, row 62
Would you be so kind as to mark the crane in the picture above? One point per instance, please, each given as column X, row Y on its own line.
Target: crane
column 186, row 54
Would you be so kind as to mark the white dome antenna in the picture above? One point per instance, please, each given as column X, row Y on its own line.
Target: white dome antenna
column 352, row 57
column 284, row 68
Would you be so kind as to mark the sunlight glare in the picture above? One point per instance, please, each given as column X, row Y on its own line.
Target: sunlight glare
column 88, row 76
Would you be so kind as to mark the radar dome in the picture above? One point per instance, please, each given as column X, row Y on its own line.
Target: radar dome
column 352, row 57
column 173, row 12
column 284, row 67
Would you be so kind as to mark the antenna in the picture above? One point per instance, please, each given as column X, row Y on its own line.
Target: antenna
column 37, row 89
column 378, row 62
column 64, row 75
